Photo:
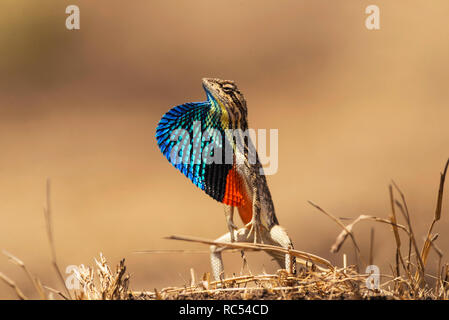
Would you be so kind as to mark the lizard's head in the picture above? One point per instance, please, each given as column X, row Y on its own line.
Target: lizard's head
column 226, row 95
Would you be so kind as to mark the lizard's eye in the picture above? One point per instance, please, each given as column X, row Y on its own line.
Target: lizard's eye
column 228, row 87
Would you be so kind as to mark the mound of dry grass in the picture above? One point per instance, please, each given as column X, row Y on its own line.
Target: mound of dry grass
column 309, row 283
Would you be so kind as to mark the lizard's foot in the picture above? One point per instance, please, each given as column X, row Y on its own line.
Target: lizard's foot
column 255, row 227
column 231, row 227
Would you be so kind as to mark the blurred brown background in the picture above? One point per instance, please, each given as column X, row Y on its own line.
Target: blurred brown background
column 354, row 108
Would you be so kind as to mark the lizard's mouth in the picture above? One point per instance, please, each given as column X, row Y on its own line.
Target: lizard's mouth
column 209, row 85
column 207, row 82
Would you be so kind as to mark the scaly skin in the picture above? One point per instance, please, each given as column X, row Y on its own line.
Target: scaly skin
column 261, row 223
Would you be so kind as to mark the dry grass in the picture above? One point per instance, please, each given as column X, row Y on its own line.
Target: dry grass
column 308, row 284
column 317, row 278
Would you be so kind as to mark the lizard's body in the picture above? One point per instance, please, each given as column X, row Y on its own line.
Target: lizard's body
column 258, row 213
column 242, row 184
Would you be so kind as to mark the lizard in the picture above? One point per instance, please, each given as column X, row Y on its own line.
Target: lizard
column 235, row 181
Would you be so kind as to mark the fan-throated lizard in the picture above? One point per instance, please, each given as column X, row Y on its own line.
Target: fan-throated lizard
column 218, row 162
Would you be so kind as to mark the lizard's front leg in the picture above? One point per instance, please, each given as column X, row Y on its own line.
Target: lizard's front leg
column 229, row 214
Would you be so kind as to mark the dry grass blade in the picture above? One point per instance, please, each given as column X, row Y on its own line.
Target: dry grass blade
column 437, row 216
column 192, row 277
column 257, row 247
column 434, row 246
column 412, row 240
column 344, row 233
column 395, row 231
column 440, row 192
column 394, row 220
column 59, row 293
column 158, row 251
column 440, row 257
column 37, row 285
column 48, row 216
column 13, row 285
column 345, row 229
